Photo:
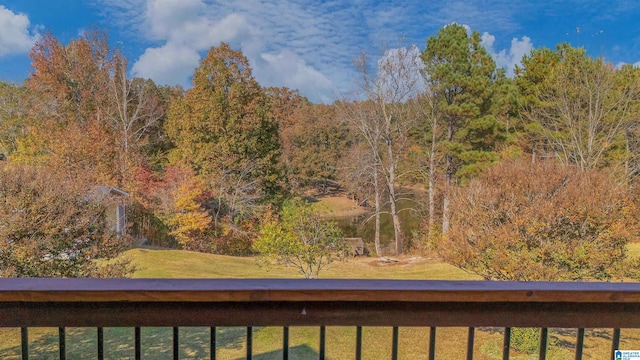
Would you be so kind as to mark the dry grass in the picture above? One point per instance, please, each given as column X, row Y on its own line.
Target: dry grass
column 184, row 264
column 337, row 206
column 634, row 249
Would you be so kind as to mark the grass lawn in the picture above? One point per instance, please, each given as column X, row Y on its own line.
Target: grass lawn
column 336, row 206
column 634, row 250
column 156, row 342
column 183, row 264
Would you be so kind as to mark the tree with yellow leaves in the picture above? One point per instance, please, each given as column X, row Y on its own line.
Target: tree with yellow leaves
column 225, row 130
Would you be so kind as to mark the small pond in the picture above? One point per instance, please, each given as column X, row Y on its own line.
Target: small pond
column 364, row 226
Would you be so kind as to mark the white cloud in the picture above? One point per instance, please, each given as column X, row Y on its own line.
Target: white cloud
column 620, row 64
column 293, row 43
column 164, row 17
column 288, row 69
column 170, row 64
column 504, row 58
column 16, row 37
column 188, row 23
column 499, row 15
column 186, row 29
column 307, row 44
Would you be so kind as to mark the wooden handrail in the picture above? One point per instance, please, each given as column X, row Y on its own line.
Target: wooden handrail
column 285, row 302
column 274, row 290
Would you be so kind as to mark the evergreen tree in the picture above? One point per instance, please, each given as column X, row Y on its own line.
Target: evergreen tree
column 461, row 75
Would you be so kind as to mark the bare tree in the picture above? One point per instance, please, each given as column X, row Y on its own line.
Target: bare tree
column 396, row 82
column 428, row 103
column 135, row 109
column 366, row 168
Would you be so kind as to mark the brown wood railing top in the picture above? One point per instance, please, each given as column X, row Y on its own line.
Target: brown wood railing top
column 273, row 290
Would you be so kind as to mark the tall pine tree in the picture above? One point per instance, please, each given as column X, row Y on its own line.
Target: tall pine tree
column 460, row 74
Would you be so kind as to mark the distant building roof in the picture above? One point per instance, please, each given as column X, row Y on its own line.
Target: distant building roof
column 99, row 193
column 110, row 190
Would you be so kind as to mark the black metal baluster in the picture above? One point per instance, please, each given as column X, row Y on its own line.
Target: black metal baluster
column 579, row 343
column 176, row 343
column 62, row 343
column 285, row 343
column 615, row 342
column 323, row 334
column 100, row 343
column 24, row 342
column 544, row 334
column 506, row 345
column 358, row 342
column 432, row 343
column 394, row 343
column 212, row 343
column 249, row 342
column 137, row 346
column 470, row 339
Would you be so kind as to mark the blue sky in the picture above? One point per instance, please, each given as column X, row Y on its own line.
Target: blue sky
column 310, row 44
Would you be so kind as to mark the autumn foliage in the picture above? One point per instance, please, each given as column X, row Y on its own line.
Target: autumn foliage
column 184, row 213
column 53, row 226
column 541, row 221
column 225, row 130
column 208, row 166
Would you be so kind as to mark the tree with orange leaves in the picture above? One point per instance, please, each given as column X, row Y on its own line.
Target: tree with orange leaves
column 542, row 221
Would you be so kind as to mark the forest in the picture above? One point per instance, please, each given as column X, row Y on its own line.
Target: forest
column 526, row 178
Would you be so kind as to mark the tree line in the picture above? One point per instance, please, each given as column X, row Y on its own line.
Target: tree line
column 526, row 177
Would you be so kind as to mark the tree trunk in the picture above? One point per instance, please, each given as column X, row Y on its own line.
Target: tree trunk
column 432, row 198
column 397, row 230
column 447, row 184
column 445, row 203
column 378, row 206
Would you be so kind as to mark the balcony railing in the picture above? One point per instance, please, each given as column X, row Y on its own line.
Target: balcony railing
column 100, row 303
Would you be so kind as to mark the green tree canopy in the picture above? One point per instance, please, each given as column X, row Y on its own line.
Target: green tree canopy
column 581, row 108
column 14, row 107
column 461, row 74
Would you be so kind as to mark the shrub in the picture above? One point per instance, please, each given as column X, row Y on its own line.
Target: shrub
column 542, row 221
column 300, row 238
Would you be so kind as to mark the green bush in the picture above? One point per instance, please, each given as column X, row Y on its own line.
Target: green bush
column 300, row 238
